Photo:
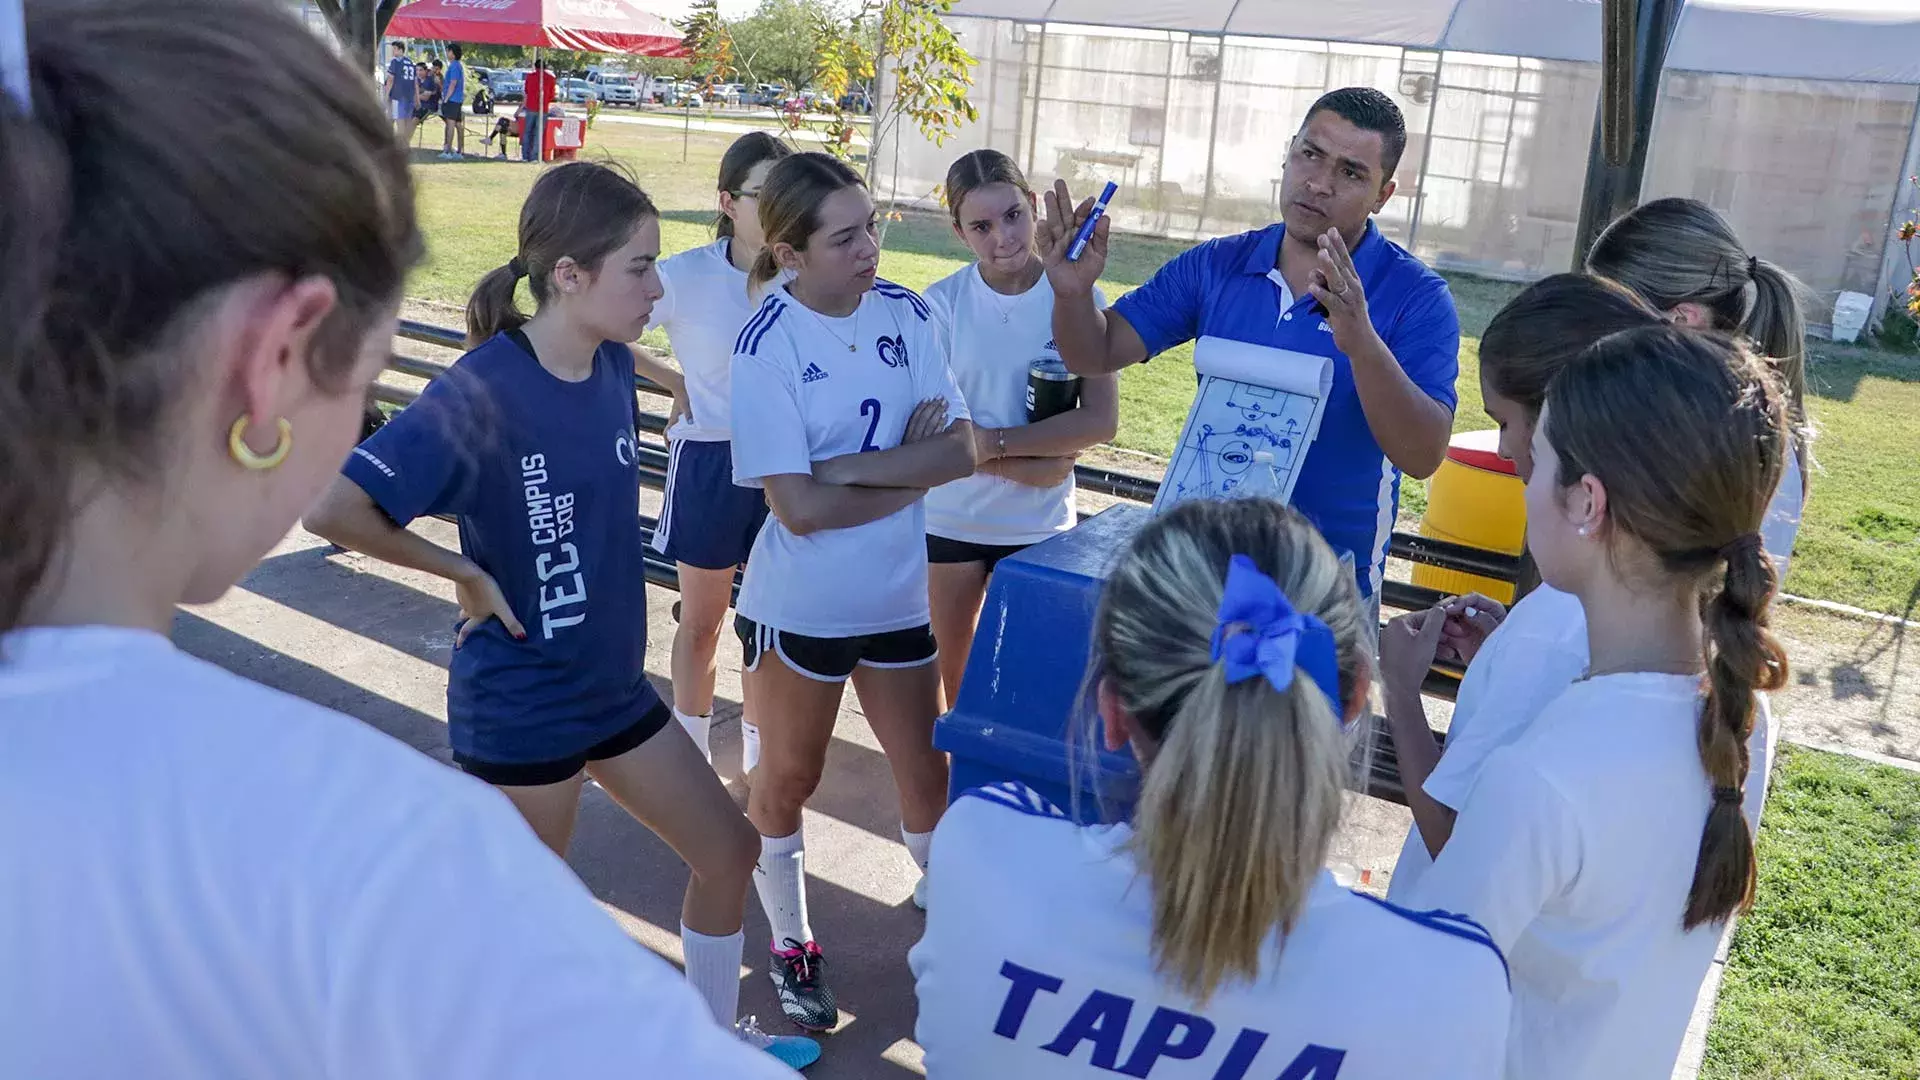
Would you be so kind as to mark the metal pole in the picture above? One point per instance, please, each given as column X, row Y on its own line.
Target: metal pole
column 1633, row 59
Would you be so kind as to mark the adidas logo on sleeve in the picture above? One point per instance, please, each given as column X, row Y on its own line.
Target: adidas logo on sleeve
column 813, row 374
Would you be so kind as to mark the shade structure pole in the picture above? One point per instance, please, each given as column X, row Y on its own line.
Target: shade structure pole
column 1633, row 59
column 540, row 110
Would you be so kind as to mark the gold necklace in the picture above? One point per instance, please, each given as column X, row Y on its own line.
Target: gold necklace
column 852, row 346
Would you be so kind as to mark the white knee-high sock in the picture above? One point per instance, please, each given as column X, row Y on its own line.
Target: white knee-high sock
column 781, row 880
column 749, row 745
column 713, row 970
column 919, row 844
column 698, row 727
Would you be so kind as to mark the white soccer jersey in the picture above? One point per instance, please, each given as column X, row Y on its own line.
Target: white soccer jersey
column 1529, row 659
column 1576, row 849
column 1036, row 964
column 705, row 304
column 992, row 341
column 800, row 396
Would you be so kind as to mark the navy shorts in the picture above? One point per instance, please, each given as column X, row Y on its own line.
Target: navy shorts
column 541, row 773
column 706, row 520
column 833, row 659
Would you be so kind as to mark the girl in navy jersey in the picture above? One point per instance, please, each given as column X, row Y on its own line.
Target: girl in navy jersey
column 1204, row 941
column 707, row 522
column 998, row 316
column 1608, row 845
column 529, row 441
column 226, row 880
column 845, row 413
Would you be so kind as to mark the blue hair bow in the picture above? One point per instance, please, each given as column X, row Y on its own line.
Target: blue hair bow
column 1260, row 633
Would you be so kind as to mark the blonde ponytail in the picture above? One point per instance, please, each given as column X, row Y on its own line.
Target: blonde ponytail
column 1242, row 794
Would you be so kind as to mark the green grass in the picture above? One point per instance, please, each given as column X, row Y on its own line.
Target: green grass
column 1823, row 980
column 1860, row 543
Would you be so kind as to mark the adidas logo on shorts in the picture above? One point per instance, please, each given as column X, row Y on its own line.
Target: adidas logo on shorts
column 812, row 374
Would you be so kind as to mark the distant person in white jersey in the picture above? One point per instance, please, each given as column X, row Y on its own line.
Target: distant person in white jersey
column 707, row 522
column 845, row 413
column 1206, row 941
column 999, row 321
column 1685, row 259
column 1517, row 660
column 1607, row 847
column 210, row 878
column 529, row 441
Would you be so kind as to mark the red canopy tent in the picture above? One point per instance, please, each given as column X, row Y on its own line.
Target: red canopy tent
column 603, row 26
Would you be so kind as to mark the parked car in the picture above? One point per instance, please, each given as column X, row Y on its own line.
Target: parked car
column 506, row 86
column 578, row 91
column 614, row 88
column 768, row 94
column 857, row 101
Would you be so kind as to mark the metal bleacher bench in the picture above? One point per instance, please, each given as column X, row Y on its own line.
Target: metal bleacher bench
column 1384, row 778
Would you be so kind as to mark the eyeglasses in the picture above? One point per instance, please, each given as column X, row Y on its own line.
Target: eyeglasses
column 753, row 194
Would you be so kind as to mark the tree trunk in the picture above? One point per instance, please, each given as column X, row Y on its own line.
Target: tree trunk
column 358, row 25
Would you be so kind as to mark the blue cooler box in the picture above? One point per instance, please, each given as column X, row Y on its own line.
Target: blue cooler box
column 1023, row 687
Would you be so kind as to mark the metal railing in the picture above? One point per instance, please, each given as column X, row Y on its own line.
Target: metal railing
column 1384, row 782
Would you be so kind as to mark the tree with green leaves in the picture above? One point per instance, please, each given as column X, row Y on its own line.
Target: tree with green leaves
column 776, row 43
column 708, row 42
column 929, row 73
column 359, row 25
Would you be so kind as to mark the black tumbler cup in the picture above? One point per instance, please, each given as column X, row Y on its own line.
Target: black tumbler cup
column 1051, row 389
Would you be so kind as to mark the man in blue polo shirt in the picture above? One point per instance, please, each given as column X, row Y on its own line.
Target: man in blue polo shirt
column 1324, row 283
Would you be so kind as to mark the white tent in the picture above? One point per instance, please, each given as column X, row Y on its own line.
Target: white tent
column 1796, row 119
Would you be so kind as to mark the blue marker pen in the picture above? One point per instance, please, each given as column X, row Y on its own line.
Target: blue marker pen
column 1085, row 234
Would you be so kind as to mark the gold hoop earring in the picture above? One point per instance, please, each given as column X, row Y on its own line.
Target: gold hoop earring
column 244, row 455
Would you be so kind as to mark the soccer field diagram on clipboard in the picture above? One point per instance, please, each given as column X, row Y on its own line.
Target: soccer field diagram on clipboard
column 1251, row 398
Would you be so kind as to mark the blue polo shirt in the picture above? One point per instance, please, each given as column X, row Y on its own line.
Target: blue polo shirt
column 1223, row 288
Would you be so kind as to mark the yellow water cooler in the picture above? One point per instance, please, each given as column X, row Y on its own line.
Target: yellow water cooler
column 1475, row 498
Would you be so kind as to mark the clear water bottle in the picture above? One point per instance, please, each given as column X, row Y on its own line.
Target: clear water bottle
column 1261, row 480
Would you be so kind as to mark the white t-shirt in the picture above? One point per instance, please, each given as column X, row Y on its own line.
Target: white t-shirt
column 1576, row 849
column 799, row 396
column 211, row 879
column 1037, row 964
column 704, row 306
column 1528, row 660
column 1782, row 523
column 992, row 340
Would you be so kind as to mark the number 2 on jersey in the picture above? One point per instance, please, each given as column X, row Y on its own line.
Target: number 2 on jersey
column 870, row 406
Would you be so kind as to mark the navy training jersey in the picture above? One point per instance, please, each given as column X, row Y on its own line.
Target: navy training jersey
column 541, row 475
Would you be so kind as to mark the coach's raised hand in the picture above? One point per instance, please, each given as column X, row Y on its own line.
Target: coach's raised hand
column 1054, row 236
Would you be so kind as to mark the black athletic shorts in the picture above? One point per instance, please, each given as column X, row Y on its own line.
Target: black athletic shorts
column 942, row 550
column 539, row 773
column 451, row 110
column 833, row 659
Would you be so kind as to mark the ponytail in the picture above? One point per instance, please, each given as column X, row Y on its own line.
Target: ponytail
column 492, row 307
column 1778, row 328
column 1742, row 657
column 37, row 414
column 765, row 269
column 1242, row 793
column 1234, row 821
